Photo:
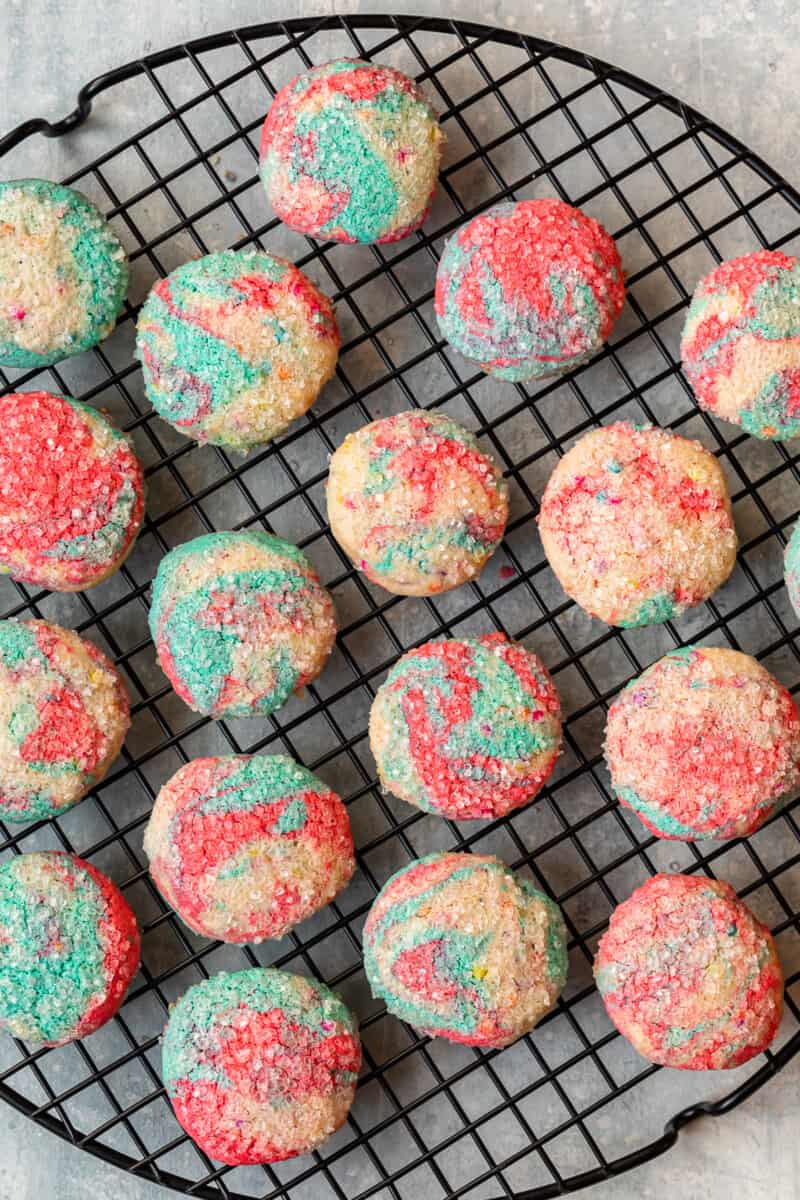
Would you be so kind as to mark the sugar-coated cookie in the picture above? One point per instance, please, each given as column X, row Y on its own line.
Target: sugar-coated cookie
column 69, row 947
column 689, row 976
column 466, row 727
column 63, row 273
column 636, row 523
column 741, row 343
column 64, row 714
column 416, row 503
column 350, row 152
column 71, row 493
column 260, row 1065
column 235, row 346
column 244, row 847
column 239, row 621
column 465, row 949
column 529, row 290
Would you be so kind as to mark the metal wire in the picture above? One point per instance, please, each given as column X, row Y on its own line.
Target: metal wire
column 523, row 117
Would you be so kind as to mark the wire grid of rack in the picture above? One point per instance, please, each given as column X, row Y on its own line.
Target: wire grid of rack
column 570, row 1104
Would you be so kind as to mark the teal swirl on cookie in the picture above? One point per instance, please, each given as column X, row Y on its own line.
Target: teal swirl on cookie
column 69, row 947
column 463, row 948
column 63, row 273
column 468, row 728
column 240, row 621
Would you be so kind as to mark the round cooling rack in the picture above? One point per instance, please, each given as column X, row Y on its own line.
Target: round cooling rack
column 171, row 156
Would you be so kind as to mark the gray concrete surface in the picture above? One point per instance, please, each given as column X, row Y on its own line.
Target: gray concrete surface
column 740, row 63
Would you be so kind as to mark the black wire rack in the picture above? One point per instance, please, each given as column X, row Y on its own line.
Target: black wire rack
column 571, row 1104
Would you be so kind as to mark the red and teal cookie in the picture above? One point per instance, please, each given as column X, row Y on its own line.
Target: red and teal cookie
column 350, row 152
column 465, row 949
column 529, row 290
column 240, row 621
column 637, row 526
column 71, row 493
column 466, row 728
column 64, row 714
column 689, row 976
column 235, row 346
column 416, row 503
column 741, row 344
column 63, row 273
column 244, row 848
column 69, row 948
column 260, row 1065
column 704, row 744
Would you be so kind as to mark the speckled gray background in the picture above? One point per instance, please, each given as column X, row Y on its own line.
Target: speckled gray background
column 739, row 63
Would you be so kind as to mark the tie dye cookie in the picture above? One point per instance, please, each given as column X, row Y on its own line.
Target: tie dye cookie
column 529, row 290
column 240, row 621
column 741, row 344
column 704, row 744
column 465, row 949
column 63, row 718
column 69, row 948
column 350, row 153
column 636, row 524
column 235, row 346
column 63, row 273
column 416, row 503
column 260, row 1065
column 689, row 976
column 71, row 493
column 244, row 848
column 466, row 729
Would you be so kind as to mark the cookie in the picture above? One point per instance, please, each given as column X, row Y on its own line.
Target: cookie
column 71, row 493
column 529, row 290
column 239, row 621
column 466, row 728
column 244, row 848
column 235, row 346
column 704, row 744
column 260, row 1065
column 465, row 949
column 689, row 976
column 350, row 153
column 415, row 503
column 69, row 948
column 636, row 524
column 741, row 344
column 63, row 273
column 64, row 714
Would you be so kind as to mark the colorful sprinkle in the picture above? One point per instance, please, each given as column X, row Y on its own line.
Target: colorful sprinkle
column 63, row 273
column 240, row 621
column 466, row 729
column 69, row 948
column 235, row 346
column 244, row 848
column 260, row 1065
column 416, row 503
column 704, row 744
column 689, row 976
column 350, row 152
column 463, row 948
column 63, row 718
column 529, row 290
column 71, row 493
column 741, row 344
column 636, row 523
